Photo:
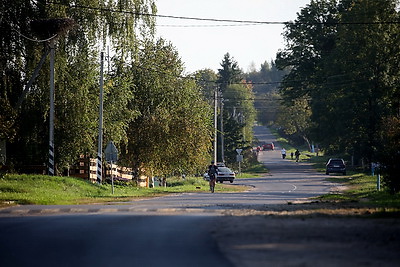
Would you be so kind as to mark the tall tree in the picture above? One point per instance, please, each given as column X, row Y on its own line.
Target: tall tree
column 239, row 116
column 173, row 130
column 76, row 64
column 265, row 82
column 238, row 112
column 364, row 93
column 229, row 73
column 343, row 57
column 295, row 120
column 206, row 80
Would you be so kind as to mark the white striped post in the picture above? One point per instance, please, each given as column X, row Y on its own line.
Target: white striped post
column 100, row 144
column 99, row 168
column 51, row 119
column 51, row 158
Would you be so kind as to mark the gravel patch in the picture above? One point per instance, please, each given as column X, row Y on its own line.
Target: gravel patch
column 304, row 235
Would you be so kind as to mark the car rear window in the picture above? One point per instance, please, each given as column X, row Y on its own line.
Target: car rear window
column 224, row 169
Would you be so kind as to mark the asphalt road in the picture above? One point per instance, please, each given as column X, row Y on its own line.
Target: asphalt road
column 108, row 240
column 288, row 181
column 165, row 231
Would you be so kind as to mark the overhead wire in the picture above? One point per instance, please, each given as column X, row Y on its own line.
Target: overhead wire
column 254, row 22
column 27, row 37
column 165, row 16
column 233, row 22
column 206, row 25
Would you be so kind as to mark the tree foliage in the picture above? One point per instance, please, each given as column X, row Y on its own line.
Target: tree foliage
column 229, row 72
column 265, row 83
column 343, row 58
column 158, row 120
column 172, row 131
column 238, row 108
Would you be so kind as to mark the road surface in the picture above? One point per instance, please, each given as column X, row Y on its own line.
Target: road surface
column 287, row 182
column 175, row 230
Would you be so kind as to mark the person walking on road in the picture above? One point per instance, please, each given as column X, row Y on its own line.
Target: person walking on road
column 297, row 154
column 283, row 152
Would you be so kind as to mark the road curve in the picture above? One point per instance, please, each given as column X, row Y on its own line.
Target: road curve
column 287, row 182
column 173, row 230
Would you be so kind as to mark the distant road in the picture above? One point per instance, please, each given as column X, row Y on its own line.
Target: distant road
column 164, row 231
column 287, row 181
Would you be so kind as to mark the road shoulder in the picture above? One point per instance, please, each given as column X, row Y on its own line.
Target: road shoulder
column 300, row 236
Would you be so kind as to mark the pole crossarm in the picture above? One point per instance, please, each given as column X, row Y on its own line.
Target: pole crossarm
column 32, row 79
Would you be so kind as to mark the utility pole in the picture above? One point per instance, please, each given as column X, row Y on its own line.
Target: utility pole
column 215, row 122
column 100, row 143
column 222, row 128
column 51, row 119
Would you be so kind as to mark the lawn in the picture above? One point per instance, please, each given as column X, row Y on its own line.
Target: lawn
column 361, row 188
column 55, row 190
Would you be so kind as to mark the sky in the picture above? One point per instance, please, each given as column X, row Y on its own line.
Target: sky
column 201, row 46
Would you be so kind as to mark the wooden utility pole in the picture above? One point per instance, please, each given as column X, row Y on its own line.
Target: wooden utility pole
column 215, row 123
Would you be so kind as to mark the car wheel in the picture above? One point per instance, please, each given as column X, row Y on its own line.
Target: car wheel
column 221, row 181
column 231, row 181
column 344, row 173
column 327, row 173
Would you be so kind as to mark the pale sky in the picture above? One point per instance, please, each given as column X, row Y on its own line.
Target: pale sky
column 205, row 47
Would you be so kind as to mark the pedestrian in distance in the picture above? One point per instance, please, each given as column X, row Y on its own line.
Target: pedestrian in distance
column 283, row 152
column 297, row 154
column 212, row 172
column 291, row 154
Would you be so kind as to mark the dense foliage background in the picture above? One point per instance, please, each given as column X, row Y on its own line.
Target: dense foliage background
column 342, row 91
column 335, row 84
column 158, row 120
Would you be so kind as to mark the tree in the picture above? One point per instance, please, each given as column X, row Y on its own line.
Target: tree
column 77, row 72
column 172, row 133
column 229, row 73
column 265, row 86
column 295, row 119
column 343, row 59
column 309, row 40
column 206, row 79
column 239, row 116
column 364, row 94
column 238, row 112
column 389, row 153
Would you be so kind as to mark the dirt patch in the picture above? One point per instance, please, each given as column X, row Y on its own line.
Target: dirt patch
column 304, row 235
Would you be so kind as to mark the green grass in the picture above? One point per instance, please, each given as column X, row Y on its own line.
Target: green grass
column 256, row 170
column 46, row 190
column 362, row 189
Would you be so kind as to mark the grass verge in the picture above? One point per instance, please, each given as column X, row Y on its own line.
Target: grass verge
column 256, row 170
column 46, row 190
column 362, row 189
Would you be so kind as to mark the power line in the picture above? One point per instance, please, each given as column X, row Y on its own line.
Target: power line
column 254, row 22
column 27, row 37
column 165, row 16
column 207, row 25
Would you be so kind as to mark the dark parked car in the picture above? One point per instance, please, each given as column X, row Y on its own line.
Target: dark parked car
column 335, row 166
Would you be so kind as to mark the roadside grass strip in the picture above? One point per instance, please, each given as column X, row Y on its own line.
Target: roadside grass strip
column 25, row 189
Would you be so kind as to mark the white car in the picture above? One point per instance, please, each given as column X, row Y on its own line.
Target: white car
column 223, row 174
